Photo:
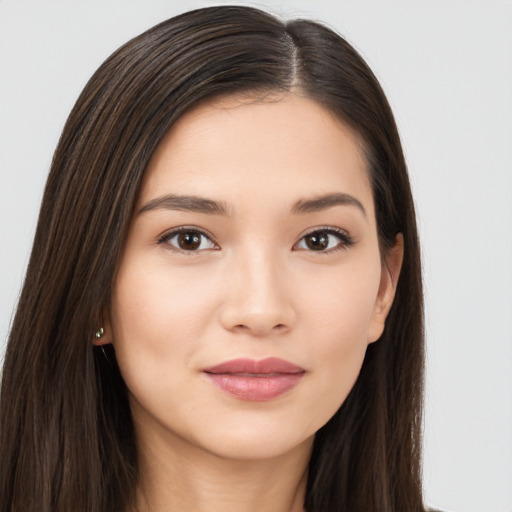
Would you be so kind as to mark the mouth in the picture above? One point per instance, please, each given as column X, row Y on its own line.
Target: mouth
column 248, row 379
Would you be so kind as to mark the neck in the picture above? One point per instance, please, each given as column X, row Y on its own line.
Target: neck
column 177, row 477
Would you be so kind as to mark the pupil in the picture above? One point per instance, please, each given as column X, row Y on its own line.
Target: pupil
column 317, row 242
column 189, row 241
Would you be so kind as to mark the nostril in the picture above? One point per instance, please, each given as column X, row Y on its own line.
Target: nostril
column 244, row 327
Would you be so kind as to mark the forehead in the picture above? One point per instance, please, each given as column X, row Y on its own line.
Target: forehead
column 279, row 149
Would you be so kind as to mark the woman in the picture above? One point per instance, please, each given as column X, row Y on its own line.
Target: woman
column 223, row 305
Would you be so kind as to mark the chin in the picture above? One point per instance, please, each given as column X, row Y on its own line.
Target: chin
column 257, row 446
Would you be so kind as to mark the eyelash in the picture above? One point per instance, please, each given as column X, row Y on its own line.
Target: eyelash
column 345, row 240
column 164, row 238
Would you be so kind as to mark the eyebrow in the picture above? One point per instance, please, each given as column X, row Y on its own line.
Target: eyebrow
column 326, row 201
column 187, row 204
column 198, row 204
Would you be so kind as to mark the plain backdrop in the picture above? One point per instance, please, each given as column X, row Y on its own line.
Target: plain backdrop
column 447, row 69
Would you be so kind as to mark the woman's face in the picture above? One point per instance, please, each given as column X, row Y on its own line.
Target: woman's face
column 251, row 282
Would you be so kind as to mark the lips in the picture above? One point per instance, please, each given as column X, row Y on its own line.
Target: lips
column 248, row 379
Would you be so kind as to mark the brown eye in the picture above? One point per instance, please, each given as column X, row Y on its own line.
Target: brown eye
column 325, row 240
column 187, row 240
column 317, row 241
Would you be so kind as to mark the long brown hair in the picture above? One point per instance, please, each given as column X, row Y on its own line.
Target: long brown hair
column 66, row 434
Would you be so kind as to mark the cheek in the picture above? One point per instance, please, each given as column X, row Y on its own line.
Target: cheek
column 157, row 316
column 339, row 307
column 340, row 345
column 340, row 302
column 155, row 299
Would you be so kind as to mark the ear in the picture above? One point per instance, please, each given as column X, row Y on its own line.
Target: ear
column 103, row 333
column 389, row 278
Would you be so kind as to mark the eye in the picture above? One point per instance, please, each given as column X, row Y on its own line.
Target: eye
column 325, row 240
column 187, row 240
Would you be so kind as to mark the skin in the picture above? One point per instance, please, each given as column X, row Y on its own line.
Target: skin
column 253, row 289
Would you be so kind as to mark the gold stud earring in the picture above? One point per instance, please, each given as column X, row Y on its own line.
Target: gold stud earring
column 99, row 333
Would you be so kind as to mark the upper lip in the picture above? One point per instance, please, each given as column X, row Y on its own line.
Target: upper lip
column 270, row 365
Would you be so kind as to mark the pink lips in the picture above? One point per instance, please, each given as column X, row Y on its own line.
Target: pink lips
column 249, row 379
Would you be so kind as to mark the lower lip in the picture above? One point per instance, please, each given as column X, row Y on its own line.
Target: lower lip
column 255, row 388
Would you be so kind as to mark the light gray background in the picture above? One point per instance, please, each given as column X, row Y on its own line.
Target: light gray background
column 447, row 69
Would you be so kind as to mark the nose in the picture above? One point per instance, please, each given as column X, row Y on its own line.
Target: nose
column 258, row 300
